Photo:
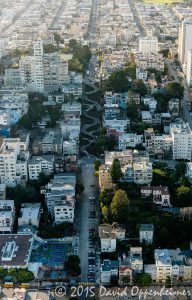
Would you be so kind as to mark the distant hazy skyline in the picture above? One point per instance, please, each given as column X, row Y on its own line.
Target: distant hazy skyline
column 163, row 1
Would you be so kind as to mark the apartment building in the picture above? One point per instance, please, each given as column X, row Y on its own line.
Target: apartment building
column 108, row 269
column 40, row 164
column 160, row 194
column 44, row 72
column 189, row 67
column 146, row 233
column 30, row 214
column 135, row 259
column 2, row 191
column 116, row 126
column 148, row 44
column 64, row 211
column 129, row 140
column 7, row 216
column 141, row 74
column 5, row 117
column 163, row 264
column 10, row 248
column 12, row 77
column 13, row 162
column 142, row 173
column 149, row 61
column 125, row 270
column 109, row 234
column 150, row 102
column 174, row 264
column 60, row 197
column 185, row 42
column 182, row 141
column 15, row 103
column 146, row 117
column 2, row 48
column 189, row 170
column 174, row 107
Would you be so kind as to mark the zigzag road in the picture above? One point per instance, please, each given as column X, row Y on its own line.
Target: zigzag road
column 90, row 105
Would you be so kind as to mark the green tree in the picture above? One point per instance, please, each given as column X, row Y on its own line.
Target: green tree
column 138, row 86
column 143, row 279
column 126, row 280
column 120, row 206
column 114, row 280
column 132, row 110
column 130, row 70
column 57, row 38
column 3, row 273
column 118, row 81
column 79, row 187
column 24, row 276
column 180, row 168
column 115, row 170
column 175, row 89
column 156, row 73
column 96, row 165
column 160, row 177
column 139, row 127
column 165, row 52
column 106, row 197
column 105, row 212
column 72, row 265
column 49, row 48
column 168, row 280
column 75, row 65
column 183, row 196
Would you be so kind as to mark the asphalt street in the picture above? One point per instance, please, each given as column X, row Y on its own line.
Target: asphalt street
column 89, row 181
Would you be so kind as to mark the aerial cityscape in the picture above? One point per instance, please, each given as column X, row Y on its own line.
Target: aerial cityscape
column 96, row 149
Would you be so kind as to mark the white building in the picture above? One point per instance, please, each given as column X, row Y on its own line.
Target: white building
column 109, row 268
column 7, row 216
column 46, row 72
column 146, row 117
column 189, row 67
column 182, row 141
column 189, row 170
column 160, row 194
column 127, row 140
column 13, row 162
column 135, row 259
column 142, row 172
column 118, row 125
column 30, row 214
column 163, row 264
column 2, row 191
column 146, row 232
column 141, row 74
column 148, row 44
column 2, row 48
column 5, row 117
column 150, row 102
column 12, row 77
column 60, row 197
column 40, row 164
column 185, row 41
column 39, row 70
column 108, row 235
column 64, row 211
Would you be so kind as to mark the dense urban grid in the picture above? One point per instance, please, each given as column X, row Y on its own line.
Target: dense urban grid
column 95, row 148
